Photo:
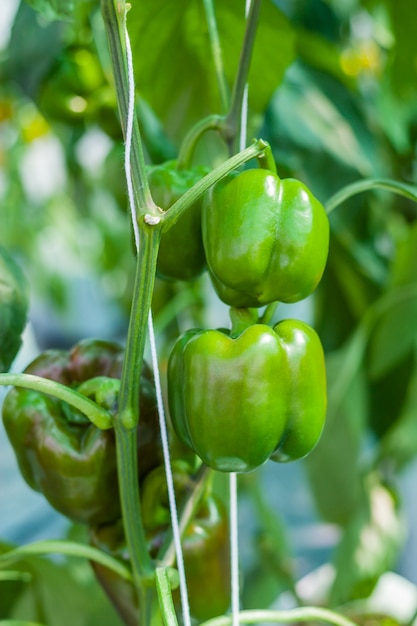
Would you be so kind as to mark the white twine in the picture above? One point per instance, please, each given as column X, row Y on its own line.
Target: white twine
column 234, row 514
column 160, row 404
column 169, row 478
column 128, row 140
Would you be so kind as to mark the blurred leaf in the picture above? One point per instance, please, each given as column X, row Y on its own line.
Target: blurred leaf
column 316, row 113
column 388, row 394
column 13, row 308
column 399, row 444
column 33, row 47
column 173, row 61
column 57, row 9
column 56, row 597
column 370, row 544
column 396, row 330
column 333, row 467
column 402, row 69
column 273, row 571
column 394, row 335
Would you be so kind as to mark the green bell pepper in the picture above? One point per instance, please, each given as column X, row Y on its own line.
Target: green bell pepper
column 265, row 239
column 14, row 303
column 240, row 401
column 59, row 451
column 181, row 253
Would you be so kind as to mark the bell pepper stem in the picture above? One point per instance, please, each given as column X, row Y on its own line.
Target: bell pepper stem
column 256, row 150
column 266, row 160
column 303, row 614
column 241, row 319
column 99, row 416
column 269, row 313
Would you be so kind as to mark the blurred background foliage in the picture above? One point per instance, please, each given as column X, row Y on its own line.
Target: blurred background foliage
column 333, row 88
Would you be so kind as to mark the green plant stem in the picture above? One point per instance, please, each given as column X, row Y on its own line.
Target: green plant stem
column 304, row 614
column 96, row 414
column 166, row 603
column 114, row 16
column 185, row 155
column 269, row 313
column 128, row 413
column 217, row 54
column 127, row 418
column 241, row 319
column 402, row 189
column 68, row 548
column 233, row 120
column 266, row 160
column 256, row 150
column 126, row 443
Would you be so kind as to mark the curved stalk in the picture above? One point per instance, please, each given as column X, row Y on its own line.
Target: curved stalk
column 304, row 614
column 96, row 414
column 402, row 189
column 256, row 150
column 185, row 155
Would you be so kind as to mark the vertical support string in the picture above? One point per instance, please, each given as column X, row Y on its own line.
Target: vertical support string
column 160, row 404
column 234, row 517
column 128, row 140
column 169, row 478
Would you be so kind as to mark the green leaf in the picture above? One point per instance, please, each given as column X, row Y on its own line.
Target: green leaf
column 398, row 447
column 68, row 548
column 63, row 594
column 396, row 330
column 370, row 544
column 173, row 63
column 333, row 467
column 313, row 113
column 13, row 308
column 57, row 9
column 33, row 47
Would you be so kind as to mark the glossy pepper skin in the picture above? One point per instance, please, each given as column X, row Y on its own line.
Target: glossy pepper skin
column 63, row 455
column 265, row 239
column 181, row 253
column 240, row 401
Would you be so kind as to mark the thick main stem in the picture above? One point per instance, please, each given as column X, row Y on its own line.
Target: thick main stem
column 233, row 119
column 217, row 54
column 114, row 21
